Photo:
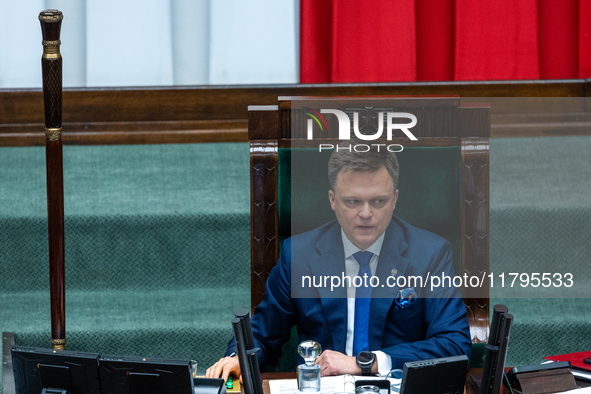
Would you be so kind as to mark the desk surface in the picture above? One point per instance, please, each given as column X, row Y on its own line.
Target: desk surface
column 291, row 375
column 469, row 389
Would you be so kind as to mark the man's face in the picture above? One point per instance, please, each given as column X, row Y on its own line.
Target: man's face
column 364, row 203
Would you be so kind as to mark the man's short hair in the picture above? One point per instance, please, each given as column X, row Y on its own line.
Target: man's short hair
column 345, row 158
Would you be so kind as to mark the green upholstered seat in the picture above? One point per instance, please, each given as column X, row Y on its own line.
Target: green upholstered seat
column 157, row 248
column 540, row 222
column 182, row 323
column 545, row 327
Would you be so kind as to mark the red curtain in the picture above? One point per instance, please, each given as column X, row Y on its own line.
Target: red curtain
column 444, row 40
column 558, row 32
column 584, row 39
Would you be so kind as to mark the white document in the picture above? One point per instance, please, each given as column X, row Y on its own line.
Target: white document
column 328, row 384
column 577, row 391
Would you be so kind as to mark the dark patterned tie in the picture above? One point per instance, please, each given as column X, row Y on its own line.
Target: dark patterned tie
column 362, row 302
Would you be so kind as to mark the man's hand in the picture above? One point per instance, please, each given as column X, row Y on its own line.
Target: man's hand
column 225, row 367
column 335, row 363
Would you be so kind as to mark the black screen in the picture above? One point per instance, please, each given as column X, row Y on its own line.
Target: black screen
column 137, row 375
column 496, row 351
column 38, row 368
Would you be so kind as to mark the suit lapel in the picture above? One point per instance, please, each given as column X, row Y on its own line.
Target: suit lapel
column 390, row 263
column 332, row 262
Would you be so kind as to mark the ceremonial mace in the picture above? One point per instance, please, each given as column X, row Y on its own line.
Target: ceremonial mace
column 51, row 64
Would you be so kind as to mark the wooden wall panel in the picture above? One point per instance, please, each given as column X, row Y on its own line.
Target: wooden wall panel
column 475, row 230
column 263, row 126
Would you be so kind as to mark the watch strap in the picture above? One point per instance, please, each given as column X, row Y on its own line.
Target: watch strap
column 366, row 371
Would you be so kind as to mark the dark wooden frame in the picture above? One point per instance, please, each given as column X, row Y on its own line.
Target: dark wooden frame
column 269, row 127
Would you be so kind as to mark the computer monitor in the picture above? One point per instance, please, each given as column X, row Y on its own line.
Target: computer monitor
column 496, row 351
column 36, row 370
column 435, row 376
column 138, row 375
column 247, row 353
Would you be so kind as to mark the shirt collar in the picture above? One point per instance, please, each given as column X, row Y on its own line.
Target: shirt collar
column 351, row 249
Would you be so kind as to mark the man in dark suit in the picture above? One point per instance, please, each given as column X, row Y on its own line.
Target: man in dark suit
column 384, row 305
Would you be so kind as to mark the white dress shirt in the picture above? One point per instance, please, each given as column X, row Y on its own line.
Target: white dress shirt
column 351, row 270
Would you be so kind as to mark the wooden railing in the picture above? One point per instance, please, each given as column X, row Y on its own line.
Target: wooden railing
column 152, row 115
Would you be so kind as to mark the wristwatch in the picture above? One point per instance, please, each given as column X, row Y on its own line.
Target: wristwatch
column 365, row 361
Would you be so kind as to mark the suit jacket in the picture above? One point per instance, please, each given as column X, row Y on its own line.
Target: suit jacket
column 433, row 326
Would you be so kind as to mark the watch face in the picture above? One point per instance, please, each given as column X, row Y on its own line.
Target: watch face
column 365, row 357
